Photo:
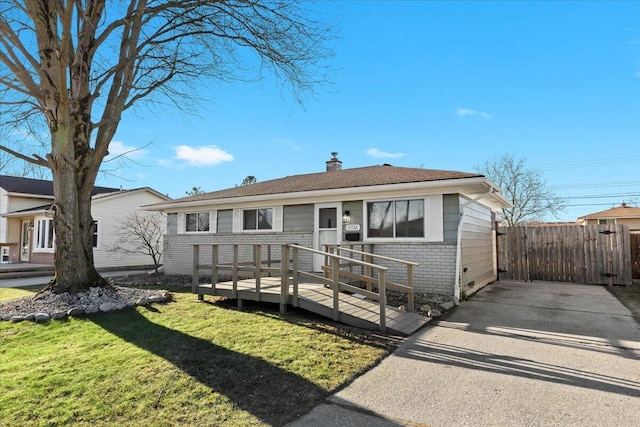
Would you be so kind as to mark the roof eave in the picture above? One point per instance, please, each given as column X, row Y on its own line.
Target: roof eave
column 457, row 183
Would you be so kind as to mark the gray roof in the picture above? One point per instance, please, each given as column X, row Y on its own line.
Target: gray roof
column 40, row 187
column 345, row 178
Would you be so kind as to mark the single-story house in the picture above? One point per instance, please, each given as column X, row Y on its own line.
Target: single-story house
column 443, row 220
column 26, row 226
column 623, row 214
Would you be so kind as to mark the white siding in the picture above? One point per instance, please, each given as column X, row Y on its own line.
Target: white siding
column 109, row 211
column 435, row 218
column 478, row 243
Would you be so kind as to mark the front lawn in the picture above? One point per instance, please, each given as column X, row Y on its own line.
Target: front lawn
column 180, row 363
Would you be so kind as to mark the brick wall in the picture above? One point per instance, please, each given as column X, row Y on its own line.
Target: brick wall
column 178, row 255
column 435, row 273
column 437, row 269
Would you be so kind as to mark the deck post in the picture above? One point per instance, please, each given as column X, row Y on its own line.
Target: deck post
column 234, row 292
column 294, row 276
column 257, row 259
column 284, row 279
column 410, row 297
column 369, row 272
column 269, row 259
column 382, row 289
column 195, row 275
column 214, row 267
column 335, row 285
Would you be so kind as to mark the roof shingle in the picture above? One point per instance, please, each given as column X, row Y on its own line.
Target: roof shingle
column 40, row 187
column 345, row 178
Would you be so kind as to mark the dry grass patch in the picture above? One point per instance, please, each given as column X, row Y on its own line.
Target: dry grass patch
column 629, row 296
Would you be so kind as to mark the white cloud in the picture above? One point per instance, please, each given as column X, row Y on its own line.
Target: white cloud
column 374, row 152
column 119, row 148
column 462, row 112
column 203, row 156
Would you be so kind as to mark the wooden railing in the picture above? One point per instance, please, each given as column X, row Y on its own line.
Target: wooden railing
column 256, row 267
column 378, row 276
column 365, row 272
column 290, row 273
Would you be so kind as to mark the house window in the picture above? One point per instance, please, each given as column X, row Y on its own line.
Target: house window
column 95, row 234
column 395, row 219
column 197, row 222
column 4, row 255
column 257, row 219
column 44, row 234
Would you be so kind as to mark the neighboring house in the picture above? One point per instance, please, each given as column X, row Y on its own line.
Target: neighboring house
column 26, row 226
column 443, row 220
column 623, row 214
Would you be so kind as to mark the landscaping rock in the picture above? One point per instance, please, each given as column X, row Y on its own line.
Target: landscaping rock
column 91, row 309
column 107, row 306
column 17, row 319
column 6, row 317
column 446, row 306
column 435, row 313
column 59, row 315
column 75, row 311
column 426, row 309
column 41, row 317
column 142, row 301
column 120, row 306
column 30, row 317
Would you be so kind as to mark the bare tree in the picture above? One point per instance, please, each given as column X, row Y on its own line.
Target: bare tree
column 78, row 66
column 141, row 233
column 525, row 188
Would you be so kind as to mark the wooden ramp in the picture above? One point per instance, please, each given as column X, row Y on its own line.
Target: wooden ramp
column 316, row 298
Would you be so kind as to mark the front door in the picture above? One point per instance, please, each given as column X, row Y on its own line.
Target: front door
column 25, row 241
column 328, row 226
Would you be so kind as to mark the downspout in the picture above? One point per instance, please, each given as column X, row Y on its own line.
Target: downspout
column 456, row 285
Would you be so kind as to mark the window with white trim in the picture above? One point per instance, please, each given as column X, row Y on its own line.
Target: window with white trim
column 197, row 222
column 396, row 219
column 96, row 234
column 257, row 219
column 44, row 234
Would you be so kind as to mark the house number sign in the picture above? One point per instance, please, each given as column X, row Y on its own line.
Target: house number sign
column 352, row 227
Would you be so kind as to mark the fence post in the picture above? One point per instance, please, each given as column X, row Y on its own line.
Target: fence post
column 195, row 276
column 335, row 285
column 294, row 275
column 257, row 259
column 410, row 297
column 284, row 278
column 382, row 289
column 234, row 292
column 214, row 267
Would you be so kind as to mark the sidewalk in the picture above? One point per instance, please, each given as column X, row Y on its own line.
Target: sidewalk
column 539, row 353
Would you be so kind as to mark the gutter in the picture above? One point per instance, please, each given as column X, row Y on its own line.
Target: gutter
column 456, row 285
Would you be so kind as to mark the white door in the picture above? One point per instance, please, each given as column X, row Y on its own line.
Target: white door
column 25, row 243
column 328, row 227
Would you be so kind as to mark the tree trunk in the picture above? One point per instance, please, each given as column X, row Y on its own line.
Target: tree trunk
column 72, row 220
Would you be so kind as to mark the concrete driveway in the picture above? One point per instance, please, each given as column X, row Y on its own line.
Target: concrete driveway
column 516, row 354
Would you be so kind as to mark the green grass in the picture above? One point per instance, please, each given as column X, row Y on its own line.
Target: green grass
column 7, row 294
column 181, row 363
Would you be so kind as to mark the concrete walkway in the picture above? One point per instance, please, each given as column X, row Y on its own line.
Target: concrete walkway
column 516, row 354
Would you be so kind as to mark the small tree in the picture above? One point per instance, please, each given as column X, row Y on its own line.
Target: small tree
column 525, row 188
column 249, row 180
column 194, row 191
column 141, row 233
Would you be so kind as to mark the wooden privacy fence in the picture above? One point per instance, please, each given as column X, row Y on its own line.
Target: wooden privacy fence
column 594, row 254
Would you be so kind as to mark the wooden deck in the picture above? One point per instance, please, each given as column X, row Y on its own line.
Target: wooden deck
column 316, row 298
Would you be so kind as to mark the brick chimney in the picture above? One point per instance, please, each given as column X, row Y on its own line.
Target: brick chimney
column 334, row 164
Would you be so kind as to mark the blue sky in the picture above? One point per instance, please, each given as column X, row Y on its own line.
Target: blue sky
column 442, row 85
